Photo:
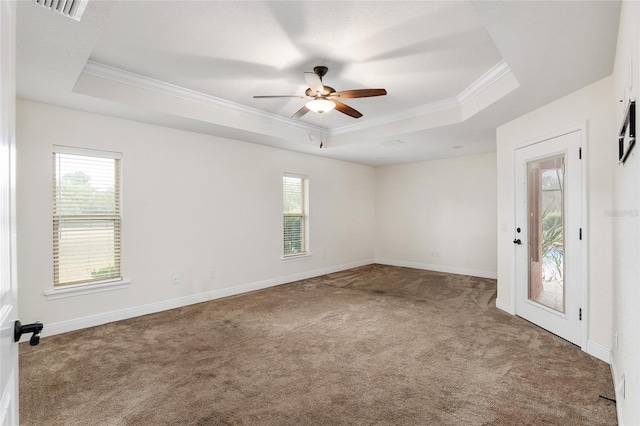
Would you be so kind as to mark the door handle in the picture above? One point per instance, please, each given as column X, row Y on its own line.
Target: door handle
column 35, row 328
column 517, row 241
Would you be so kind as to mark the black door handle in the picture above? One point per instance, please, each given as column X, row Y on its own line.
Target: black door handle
column 517, row 241
column 35, row 328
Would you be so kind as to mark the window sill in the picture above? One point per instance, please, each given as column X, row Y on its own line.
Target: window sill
column 86, row 289
column 296, row 257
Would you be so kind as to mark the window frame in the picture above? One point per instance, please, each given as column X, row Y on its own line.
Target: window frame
column 62, row 289
column 304, row 215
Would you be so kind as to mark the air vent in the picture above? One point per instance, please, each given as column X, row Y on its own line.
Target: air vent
column 70, row 8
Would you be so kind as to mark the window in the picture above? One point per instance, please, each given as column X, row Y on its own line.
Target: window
column 295, row 214
column 86, row 216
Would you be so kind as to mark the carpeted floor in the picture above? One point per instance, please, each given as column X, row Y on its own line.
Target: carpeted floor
column 375, row 345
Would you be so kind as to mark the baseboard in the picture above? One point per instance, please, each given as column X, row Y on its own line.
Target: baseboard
column 616, row 387
column 122, row 314
column 439, row 268
column 598, row 351
column 505, row 306
column 259, row 285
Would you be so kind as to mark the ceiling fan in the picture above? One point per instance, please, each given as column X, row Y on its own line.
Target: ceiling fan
column 325, row 98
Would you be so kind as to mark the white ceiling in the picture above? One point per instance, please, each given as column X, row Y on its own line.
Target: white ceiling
column 453, row 70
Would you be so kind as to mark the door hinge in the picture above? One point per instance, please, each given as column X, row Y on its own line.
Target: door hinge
column 580, row 314
column 580, row 153
column 580, row 233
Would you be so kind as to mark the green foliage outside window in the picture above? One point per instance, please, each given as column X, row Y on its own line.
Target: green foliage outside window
column 553, row 245
column 293, row 236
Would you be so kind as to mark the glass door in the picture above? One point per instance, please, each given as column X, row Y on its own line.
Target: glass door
column 548, row 247
column 545, row 194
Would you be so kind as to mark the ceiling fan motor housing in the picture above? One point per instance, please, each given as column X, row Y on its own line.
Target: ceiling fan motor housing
column 325, row 92
column 320, row 70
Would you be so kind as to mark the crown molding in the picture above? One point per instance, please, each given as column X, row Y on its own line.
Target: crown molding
column 483, row 83
column 487, row 80
column 419, row 111
column 108, row 72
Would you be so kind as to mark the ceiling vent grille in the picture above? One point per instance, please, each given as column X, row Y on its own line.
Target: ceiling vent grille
column 70, row 8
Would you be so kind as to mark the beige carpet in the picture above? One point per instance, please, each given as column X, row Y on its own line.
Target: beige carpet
column 376, row 345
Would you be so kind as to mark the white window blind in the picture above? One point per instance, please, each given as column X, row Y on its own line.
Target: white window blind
column 86, row 216
column 296, row 214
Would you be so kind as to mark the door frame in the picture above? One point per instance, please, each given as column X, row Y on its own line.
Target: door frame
column 582, row 128
column 9, row 401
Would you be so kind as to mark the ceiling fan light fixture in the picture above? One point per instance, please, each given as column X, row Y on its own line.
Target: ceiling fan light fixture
column 325, row 98
column 320, row 105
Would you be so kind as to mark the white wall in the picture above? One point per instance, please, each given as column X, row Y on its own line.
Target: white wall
column 626, row 227
column 192, row 203
column 445, row 207
column 592, row 107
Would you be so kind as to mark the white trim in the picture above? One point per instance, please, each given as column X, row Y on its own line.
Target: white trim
column 575, row 127
column 585, row 240
column 505, row 306
column 485, row 81
column 514, row 221
column 294, row 257
column 86, row 152
column 80, row 290
column 597, row 350
column 146, row 83
column 9, row 306
column 295, row 175
column 439, row 268
column 443, row 105
column 107, row 317
column 616, row 388
column 80, row 10
column 122, row 314
column 8, row 403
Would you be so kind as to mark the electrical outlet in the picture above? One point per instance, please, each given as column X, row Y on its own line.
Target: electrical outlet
column 435, row 254
column 175, row 279
column 212, row 274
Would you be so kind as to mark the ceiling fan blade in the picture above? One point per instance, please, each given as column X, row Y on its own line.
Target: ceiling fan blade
column 346, row 109
column 359, row 93
column 280, row 96
column 302, row 111
column 314, row 82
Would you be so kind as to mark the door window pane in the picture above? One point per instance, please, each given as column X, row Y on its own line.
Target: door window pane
column 545, row 194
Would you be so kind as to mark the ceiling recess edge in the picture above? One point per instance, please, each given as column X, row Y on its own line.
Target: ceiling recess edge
column 483, row 83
